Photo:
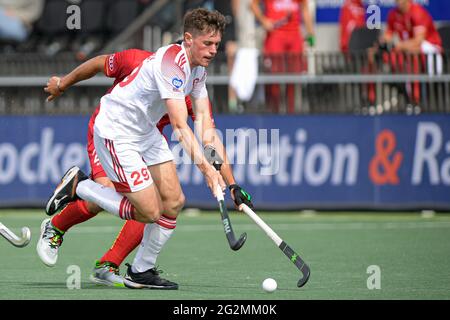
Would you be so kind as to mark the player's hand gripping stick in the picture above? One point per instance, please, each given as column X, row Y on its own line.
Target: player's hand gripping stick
column 215, row 160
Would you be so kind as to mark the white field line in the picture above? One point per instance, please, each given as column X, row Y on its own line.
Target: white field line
column 297, row 226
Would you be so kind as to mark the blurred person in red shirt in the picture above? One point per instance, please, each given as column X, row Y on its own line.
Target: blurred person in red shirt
column 412, row 45
column 283, row 45
column 352, row 16
column 415, row 29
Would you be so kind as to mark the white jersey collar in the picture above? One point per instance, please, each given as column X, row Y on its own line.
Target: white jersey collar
column 187, row 56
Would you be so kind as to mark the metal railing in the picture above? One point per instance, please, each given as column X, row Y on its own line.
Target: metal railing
column 337, row 83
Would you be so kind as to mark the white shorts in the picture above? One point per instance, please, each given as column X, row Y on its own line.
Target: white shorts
column 125, row 161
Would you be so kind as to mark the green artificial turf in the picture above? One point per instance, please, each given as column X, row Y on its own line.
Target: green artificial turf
column 412, row 252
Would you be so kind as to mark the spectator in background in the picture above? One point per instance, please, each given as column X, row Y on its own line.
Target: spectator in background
column 409, row 43
column 228, row 45
column 414, row 27
column 245, row 67
column 283, row 45
column 17, row 18
column 352, row 15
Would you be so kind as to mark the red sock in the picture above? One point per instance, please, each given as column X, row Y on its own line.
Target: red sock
column 128, row 239
column 74, row 213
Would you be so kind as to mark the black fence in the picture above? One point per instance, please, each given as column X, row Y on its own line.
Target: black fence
column 314, row 83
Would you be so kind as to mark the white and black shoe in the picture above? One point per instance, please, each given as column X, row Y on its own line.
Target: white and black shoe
column 149, row 279
column 65, row 192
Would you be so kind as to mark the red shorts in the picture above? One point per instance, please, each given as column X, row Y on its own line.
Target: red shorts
column 96, row 168
column 285, row 51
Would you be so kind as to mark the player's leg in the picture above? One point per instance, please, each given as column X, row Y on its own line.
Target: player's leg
column 123, row 163
column 53, row 230
column 157, row 234
column 132, row 231
column 79, row 211
column 273, row 61
column 106, row 270
column 129, row 237
column 138, row 198
column 294, row 63
column 143, row 274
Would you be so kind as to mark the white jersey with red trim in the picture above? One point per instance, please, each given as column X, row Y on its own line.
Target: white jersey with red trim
column 135, row 105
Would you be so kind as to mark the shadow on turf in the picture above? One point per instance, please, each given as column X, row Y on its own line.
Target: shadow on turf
column 44, row 285
column 232, row 287
column 88, row 285
column 62, row 285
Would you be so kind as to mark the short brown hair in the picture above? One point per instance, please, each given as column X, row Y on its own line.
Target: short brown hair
column 204, row 21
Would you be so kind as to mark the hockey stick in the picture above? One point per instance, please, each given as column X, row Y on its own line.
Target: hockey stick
column 13, row 238
column 287, row 250
column 235, row 244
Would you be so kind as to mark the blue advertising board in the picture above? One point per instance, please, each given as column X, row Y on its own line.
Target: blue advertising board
column 34, row 154
column 327, row 11
column 285, row 162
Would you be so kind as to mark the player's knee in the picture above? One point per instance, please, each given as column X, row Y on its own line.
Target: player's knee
column 93, row 208
column 104, row 181
column 174, row 206
column 180, row 202
column 151, row 215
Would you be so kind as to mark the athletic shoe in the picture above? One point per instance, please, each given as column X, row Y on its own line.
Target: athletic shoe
column 149, row 279
column 49, row 242
column 65, row 192
column 107, row 274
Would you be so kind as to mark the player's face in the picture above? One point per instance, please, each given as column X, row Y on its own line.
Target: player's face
column 203, row 47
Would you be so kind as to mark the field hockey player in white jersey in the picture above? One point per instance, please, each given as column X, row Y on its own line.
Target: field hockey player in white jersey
column 135, row 155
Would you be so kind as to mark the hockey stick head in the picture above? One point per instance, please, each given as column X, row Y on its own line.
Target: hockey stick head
column 12, row 238
column 239, row 243
column 214, row 159
column 306, row 273
column 229, row 233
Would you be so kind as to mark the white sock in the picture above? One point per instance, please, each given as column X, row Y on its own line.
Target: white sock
column 106, row 198
column 154, row 238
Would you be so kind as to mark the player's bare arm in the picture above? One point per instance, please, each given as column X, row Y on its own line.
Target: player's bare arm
column 208, row 135
column 412, row 45
column 387, row 37
column 259, row 15
column 206, row 130
column 178, row 118
column 56, row 85
column 235, row 7
column 307, row 18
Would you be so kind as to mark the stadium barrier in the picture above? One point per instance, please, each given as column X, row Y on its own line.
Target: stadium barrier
column 318, row 94
column 321, row 83
column 286, row 162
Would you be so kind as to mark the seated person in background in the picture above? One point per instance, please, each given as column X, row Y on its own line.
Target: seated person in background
column 352, row 15
column 17, row 17
column 418, row 46
column 414, row 27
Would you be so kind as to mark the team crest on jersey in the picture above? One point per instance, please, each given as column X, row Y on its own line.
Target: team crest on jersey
column 177, row 82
